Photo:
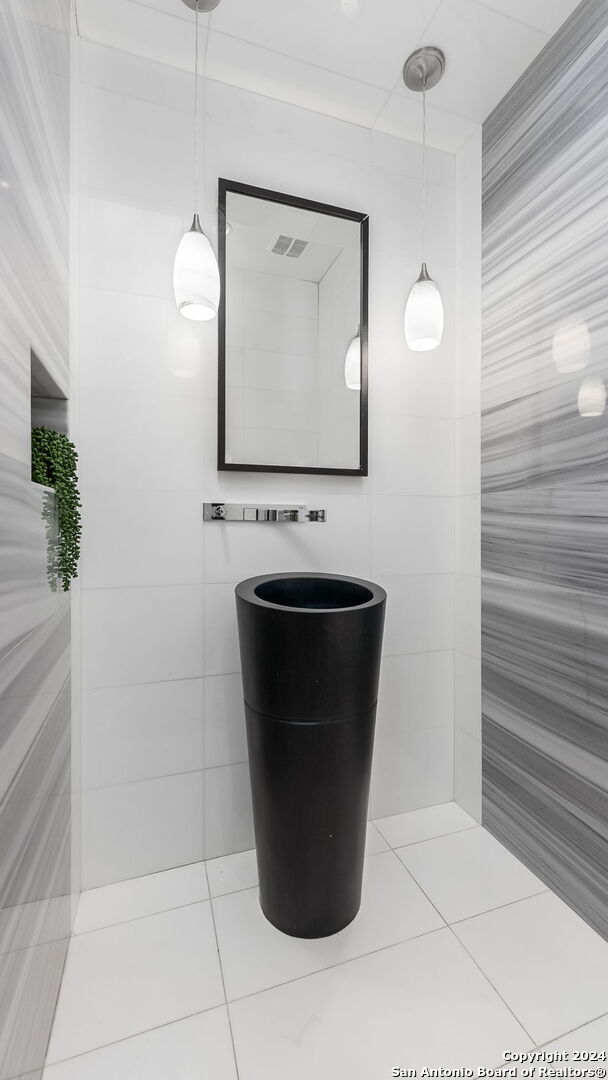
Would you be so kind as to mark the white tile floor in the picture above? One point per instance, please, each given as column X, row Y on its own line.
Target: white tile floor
column 458, row 954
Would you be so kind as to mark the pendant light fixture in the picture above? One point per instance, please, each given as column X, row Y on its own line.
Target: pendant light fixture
column 196, row 277
column 423, row 322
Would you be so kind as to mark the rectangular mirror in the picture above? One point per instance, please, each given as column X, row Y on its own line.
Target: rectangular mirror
column 292, row 334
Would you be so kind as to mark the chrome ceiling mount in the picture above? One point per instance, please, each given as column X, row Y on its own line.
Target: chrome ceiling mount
column 423, row 69
column 203, row 5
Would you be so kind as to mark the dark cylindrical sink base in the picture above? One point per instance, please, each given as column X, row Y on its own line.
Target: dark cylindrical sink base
column 310, row 680
column 310, row 785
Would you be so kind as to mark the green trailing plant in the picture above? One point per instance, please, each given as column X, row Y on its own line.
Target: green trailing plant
column 54, row 460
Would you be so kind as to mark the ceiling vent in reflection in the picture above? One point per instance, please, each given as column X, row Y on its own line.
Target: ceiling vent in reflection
column 286, row 245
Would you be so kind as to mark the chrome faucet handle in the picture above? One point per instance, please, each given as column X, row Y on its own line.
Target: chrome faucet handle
column 288, row 515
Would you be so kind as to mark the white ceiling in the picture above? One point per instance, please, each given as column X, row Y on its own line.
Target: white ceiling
column 344, row 57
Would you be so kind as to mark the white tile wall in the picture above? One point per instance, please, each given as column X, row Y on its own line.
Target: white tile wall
column 225, row 739
column 141, row 828
column 228, row 823
column 412, row 769
column 419, row 684
column 140, row 537
column 420, row 615
column 467, row 474
column 137, row 635
column 160, row 650
column 412, row 534
column 142, row 731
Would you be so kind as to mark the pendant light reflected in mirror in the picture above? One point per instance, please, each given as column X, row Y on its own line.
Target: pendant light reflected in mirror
column 352, row 364
column 196, row 276
column 424, row 319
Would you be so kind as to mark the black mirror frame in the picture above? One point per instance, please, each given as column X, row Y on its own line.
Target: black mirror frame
column 226, row 186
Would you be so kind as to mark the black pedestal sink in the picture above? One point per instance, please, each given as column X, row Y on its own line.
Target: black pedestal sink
column 310, row 655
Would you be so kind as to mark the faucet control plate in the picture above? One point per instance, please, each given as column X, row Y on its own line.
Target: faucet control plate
column 268, row 513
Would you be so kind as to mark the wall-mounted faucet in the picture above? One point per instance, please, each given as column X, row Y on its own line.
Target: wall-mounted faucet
column 253, row 512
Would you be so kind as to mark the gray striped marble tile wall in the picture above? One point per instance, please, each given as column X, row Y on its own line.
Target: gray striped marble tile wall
column 545, row 466
column 35, row 855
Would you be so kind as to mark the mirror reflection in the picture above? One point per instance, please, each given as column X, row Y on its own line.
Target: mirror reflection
column 293, row 330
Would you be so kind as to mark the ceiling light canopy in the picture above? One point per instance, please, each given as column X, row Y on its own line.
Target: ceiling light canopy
column 423, row 320
column 203, row 5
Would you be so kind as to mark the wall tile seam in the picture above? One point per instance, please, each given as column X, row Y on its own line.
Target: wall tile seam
column 233, row 671
column 468, row 735
column 209, row 119
column 145, row 392
column 190, row 584
column 280, row 139
column 150, row 682
column 208, row 30
column 124, row 588
column 470, row 414
column 233, row 674
column 88, row 791
column 164, row 776
column 207, row 495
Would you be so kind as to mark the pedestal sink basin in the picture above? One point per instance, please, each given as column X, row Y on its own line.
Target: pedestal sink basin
column 310, row 656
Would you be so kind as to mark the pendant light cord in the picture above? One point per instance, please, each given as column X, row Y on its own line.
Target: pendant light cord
column 423, row 167
column 207, row 39
column 196, row 109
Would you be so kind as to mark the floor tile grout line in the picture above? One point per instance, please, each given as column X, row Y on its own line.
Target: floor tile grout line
column 445, row 925
column 495, row 989
column 244, row 888
column 153, row 873
column 477, row 915
column 219, row 956
column 428, row 839
column 138, row 918
column 174, row 907
column 257, row 993
column 571, row 1031
column 499, row 907
column 337, row 964
column 455, row 936
column 136, row 1034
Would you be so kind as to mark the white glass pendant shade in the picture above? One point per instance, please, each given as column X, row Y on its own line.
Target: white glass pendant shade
column 571, row 344
column 424, row 314
column 352, row 365
column 196, row 276
column 592, row 396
